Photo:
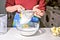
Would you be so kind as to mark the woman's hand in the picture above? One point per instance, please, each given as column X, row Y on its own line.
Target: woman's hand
column 38, row 12
column 15, row 8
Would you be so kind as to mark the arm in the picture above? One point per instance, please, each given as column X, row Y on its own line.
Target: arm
column 10, row 6
column 40, row 8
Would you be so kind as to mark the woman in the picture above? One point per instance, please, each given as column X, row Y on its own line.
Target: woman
column 18, row 5
column 36, row 5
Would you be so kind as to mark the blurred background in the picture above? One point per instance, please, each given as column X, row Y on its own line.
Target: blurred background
column 51, row 17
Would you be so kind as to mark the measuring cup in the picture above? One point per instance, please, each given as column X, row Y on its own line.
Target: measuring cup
column 3, row 23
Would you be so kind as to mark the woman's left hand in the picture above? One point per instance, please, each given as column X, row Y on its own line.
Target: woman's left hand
column 39, row 13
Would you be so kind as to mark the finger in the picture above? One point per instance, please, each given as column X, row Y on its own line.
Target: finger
column 35, row 14
column 41, row 14
column 19, row 10
column 36, row 6
column 37, row 10
column 38, row 16
column 22, row 8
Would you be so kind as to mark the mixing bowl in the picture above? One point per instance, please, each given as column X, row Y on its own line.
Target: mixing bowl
column 31, row 27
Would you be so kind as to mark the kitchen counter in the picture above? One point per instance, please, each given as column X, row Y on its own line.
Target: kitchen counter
column 42, row 34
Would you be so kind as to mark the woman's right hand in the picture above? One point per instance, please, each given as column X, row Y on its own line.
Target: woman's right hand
column 15, row 8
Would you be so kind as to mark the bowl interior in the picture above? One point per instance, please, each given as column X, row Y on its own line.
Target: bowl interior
column 31, row 27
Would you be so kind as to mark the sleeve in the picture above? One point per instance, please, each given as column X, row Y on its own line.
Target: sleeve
column 42, row 5
column 9, row 3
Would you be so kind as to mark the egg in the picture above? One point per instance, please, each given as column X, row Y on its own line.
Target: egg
column 25, row 26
